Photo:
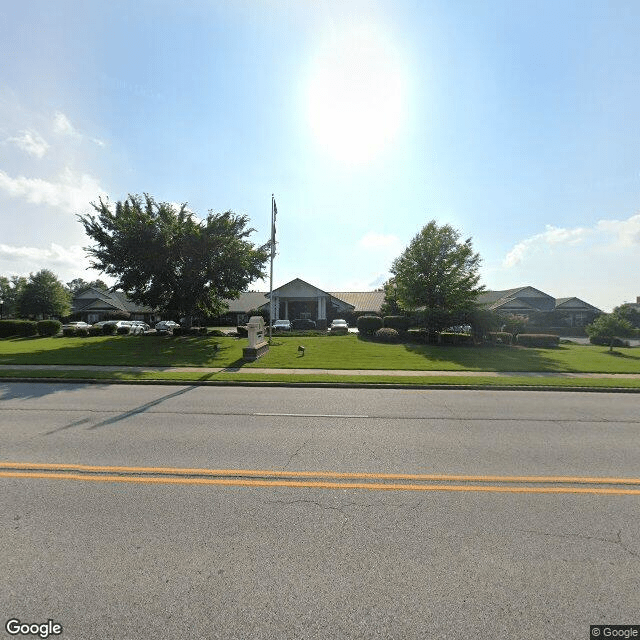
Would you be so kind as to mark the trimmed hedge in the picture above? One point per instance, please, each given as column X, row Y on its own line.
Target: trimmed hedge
column 49, row 327
column 82, row 332
column 386, row 334
column 422, row 337
column 109, row 329
column 22, row 328
column 368, row 325
column 605, row 342
column 500, row 337
column 123, row 331
column 537, row 340
column 69, row 332
column 456, row 338
column 399, row 323
column 95, row 331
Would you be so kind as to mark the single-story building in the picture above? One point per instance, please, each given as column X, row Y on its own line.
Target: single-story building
column 530, row 302
column 93, row 305
column 299, row 299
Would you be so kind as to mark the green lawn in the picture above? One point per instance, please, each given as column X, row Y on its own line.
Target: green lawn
column 333, row 352
column 314, row 379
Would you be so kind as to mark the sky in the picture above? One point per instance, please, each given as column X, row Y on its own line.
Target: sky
column 515, row 122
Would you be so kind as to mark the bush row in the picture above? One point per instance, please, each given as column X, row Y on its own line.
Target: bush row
column 537, row 340
column 28, row 328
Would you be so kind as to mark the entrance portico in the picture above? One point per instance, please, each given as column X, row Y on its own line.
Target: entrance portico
column 299, row 299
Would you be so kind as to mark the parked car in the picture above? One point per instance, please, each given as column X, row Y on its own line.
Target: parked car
column 282, row 325
column 133, row 328
column 143, row 325
column 339, row 323
column 303, row 323
column 166, row 325
column 76, row 325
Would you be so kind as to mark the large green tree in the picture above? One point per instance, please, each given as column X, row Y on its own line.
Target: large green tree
column 166, row 258
column 608, row 327
column 78, row 284
column 437, row 275
column 630, row 313
column 44, row 295
column 10, row 290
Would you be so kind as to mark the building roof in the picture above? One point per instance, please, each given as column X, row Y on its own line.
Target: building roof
column 528, row 299
column 361, row 300
column 93, row 299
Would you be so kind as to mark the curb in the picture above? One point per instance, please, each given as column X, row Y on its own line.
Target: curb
column 328, row 385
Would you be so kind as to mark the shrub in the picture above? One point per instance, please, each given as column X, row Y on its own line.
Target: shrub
column 109, row 329
column 23, row 328
column 399, row 323
column 216, row 333
column 605, row 342
column 95, row 331
column 500, row 337
column 82, row 332
column 387, row 334
column 338, row 331
column 69, row 332
column 456, row 338
column 49, row 327
column 422, row 336
column 243, row 332
column 122, row 331
column 203, row 331
column 537, row 340
column 368, row 325
column 179, row 331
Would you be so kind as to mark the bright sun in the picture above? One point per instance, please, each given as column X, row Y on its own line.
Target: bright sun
column 356, row 96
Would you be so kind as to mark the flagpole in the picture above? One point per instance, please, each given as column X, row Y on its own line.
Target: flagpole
column 273, row 249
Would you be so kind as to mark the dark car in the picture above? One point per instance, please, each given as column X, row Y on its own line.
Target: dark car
column 303, row 323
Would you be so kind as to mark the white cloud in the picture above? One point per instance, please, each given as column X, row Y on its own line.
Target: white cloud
column 626, row 232
column 72, row 192
column 62, row 124
column 31, row 142
column 66, row 262
column 608, row 234
column 599, row 263
column 552, row 236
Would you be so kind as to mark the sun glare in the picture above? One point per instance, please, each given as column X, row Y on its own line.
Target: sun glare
column 356, row 96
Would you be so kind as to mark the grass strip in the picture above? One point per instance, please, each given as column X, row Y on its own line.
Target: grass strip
column 414, row 381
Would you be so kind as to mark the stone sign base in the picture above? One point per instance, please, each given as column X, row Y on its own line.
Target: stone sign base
column 253, row 353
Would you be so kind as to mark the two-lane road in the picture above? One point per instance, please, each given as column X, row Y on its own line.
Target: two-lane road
column 197, row 512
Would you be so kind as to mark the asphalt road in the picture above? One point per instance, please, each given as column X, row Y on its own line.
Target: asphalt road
column 478, row 549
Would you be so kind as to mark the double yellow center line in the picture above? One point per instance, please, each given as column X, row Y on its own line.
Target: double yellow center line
column 323, row 479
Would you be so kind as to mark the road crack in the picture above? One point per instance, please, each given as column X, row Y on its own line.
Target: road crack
column 580, row 536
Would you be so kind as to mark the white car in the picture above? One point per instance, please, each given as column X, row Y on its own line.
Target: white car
column 76, row 325
column 166, row 325
column 282, row 325
column 339, row 324
column 142, row 325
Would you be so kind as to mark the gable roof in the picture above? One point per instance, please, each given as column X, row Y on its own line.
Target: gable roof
column 574, row 304
column 93, row 299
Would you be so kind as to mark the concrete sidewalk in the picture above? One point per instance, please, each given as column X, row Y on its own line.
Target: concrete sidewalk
column 314, row 372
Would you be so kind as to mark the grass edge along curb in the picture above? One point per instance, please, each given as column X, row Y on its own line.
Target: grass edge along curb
column 506, row 383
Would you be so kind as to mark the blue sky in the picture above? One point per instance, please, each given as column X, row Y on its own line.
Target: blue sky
column 516, row 122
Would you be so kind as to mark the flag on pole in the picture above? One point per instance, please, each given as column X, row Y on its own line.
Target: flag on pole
column 273, row 221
